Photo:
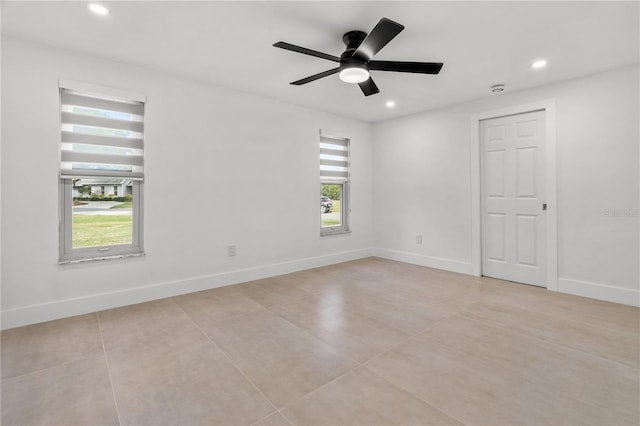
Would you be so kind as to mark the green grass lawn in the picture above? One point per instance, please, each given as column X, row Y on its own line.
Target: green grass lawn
column 99, row 230
column 125, row 205
column 326, row 220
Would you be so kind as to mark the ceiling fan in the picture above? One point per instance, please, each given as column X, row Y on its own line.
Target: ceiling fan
column 356, row 61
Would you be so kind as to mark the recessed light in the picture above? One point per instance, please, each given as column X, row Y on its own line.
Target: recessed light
column 390, row 104
column 98, row 9
column 539, row 64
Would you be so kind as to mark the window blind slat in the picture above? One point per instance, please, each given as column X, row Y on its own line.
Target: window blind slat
column 336, row 163
column 96, row 158
column 336, row 152
column 334, row 169
column 89, row 120
column 102, row 159
column 75, row 174
column 334, row 174
column 72, row 137
column 334, row 141
column 70, row 98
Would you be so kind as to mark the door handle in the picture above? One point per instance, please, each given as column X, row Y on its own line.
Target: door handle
column 544, row 207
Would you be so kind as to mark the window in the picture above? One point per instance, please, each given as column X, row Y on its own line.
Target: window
column 101, row 147
column 334, row 185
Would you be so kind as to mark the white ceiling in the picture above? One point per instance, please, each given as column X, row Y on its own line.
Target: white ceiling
column 229, row 43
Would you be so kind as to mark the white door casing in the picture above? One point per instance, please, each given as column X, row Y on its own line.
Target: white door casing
column 513, row 198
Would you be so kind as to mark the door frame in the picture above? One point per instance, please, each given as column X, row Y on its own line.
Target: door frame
column 549, row 107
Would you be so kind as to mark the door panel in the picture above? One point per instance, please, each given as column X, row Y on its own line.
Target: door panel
column 526, row 172
column 496, row 237
column 513, row 221
column 495, row 182
column 526, row 128
column 526, row 236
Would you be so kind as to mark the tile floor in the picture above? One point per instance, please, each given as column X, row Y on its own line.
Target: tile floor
column 368, row 342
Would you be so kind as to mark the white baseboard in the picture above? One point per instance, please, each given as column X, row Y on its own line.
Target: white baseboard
column 83, row 305
column 422, row 260
column 599, row 291
column 97, row 302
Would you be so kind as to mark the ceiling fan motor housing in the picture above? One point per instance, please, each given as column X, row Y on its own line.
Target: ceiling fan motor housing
column 352, row 39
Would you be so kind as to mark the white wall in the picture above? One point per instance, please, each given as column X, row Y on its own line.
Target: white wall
column 247, row 168
column 422, row 184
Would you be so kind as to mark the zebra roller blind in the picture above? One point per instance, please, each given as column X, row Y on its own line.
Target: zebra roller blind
column 334, row 159
column 101, row 137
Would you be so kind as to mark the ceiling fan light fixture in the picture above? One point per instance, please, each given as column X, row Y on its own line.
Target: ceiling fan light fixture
column 354, row 75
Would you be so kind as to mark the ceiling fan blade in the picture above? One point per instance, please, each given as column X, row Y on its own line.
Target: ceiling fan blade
column 305, row 51
column 369, row 87
column 384, row 31
column 315, row 77
column 415, row 67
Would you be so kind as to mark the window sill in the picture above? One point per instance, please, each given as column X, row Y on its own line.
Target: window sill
column 334, row 233
column 97, row 259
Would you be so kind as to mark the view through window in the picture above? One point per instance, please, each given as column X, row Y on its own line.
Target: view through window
column 331, row 203
column 101, row 173
column 334, row 181
column 102, row 219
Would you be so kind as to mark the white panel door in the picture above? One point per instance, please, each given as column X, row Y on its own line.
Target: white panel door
column 513, row 184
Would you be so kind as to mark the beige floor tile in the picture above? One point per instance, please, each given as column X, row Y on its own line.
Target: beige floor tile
column 272, row 291
column 275, row 419
column 313, row 281
column 436, row 295
column 284, row 361
column 586, row 311
column 145, row 321
column 215, row 305
column 238, row 335
column 398, row 271
column 478, row 393
column 439, row 376
column 535, row 405
column 360, row 397
column 76, row 393
column 35, row 347
column 573, row 373
column 434, row 344
column 615, row 345
column 363, row 269
column 182, row 379
column 356, row 335
column 405, row 314
column 455, row 292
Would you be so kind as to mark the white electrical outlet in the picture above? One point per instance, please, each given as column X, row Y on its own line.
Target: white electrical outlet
column 418, row 239
column 231, row 250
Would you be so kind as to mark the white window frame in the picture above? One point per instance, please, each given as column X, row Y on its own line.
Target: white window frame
column 343, row 228
column 68, row 254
